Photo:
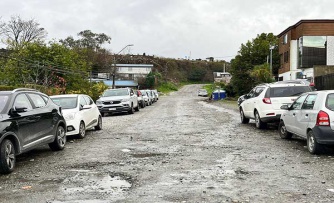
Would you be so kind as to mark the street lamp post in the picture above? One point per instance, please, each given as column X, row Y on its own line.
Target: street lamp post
column 271, row 58
column 114, row 61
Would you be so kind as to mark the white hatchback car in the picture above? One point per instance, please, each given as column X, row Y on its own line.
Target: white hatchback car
column 80, row 113
column 311, row 117
column 263, row 103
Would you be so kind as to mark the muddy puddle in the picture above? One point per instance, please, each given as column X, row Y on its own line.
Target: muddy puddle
column 88, row 183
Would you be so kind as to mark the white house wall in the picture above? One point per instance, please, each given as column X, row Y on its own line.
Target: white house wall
column 130, row 70
column 293, row 55
column 330, row 50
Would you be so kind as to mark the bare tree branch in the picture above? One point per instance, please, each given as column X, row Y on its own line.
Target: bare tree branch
column 19, row 32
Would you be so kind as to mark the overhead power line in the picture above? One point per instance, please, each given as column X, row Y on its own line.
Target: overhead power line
column 45, row 65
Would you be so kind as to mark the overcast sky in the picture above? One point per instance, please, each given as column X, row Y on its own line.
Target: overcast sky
column 169, row 28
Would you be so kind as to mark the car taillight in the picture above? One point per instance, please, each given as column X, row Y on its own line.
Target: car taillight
column 322, row 119
column 266, row 100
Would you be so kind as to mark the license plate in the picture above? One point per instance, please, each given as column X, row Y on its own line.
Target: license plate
column 112, row 109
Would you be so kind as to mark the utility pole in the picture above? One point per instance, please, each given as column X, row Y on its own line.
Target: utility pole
column 271, row 59
column 114, row 68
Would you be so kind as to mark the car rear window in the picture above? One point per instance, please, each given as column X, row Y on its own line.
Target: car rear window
column 65, row 102
column 3, row 101
column 288, row 91
column 330, row 102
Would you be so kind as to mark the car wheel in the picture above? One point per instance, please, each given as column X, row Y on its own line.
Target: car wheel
column 244, row 120
column 99, row 124
column 131, row 111
column 7, row 157
column 283, row 133
column 82, row 130
column 143, row 105
column 258, row 123
column 312, row 145
column 137, row 108
column 60, row 139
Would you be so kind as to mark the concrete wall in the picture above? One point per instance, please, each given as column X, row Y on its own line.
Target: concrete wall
column 330, row 50
column 323, row 70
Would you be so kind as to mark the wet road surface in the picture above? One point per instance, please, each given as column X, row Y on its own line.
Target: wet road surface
column 180, row 149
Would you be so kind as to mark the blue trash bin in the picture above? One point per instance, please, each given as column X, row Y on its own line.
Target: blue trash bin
column 218, row 94
column 222, row 94
column 215, row 95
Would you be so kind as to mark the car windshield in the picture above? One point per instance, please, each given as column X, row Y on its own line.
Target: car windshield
column 66, row 102
column 115, row 92
column 3, row 101
column 330, row 102
column 288, row 91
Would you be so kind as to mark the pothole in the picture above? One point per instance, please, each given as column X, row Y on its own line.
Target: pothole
column 94, row 183
column 145, row 155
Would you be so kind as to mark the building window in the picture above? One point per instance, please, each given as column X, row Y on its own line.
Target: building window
column 286, row 57
column 285, row 39
column 312, row 51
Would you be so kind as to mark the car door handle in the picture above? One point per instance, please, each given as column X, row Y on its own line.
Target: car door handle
column 306, row 115
column 293, row 114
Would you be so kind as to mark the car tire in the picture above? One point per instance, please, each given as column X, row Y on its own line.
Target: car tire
column 131, row 111
column 99, row 124
column 312, row 145
column 258, row 123
column 82, row 130
column 60, row 139
column 137, row 108
column 244, row 120
column 143, row 105
column 283, row 133
column 7, row 157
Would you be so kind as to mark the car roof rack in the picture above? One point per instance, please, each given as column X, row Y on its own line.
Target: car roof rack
column 24, row 89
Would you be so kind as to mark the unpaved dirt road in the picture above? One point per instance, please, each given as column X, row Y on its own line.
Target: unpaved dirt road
column 180, row 149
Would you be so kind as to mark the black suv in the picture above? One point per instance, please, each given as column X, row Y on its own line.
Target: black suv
column 28, row 118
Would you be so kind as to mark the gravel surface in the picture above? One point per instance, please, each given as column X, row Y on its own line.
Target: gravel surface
column 181, row 149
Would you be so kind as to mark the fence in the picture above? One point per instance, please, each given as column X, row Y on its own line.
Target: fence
column 324, row 82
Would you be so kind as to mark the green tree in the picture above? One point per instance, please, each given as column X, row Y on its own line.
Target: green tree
column 87, row 39
column 261, row 74
column 252, row 54
column 50, row 65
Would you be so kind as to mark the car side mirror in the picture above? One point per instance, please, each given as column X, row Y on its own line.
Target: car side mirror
column 20, row 109
column 285, row 107
column 85, row 107
column 16, row 110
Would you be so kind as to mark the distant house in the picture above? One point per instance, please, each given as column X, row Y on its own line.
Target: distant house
column 118, row 83
column 222, row 77
column 133, row 71
column 127, row 75
column 304, row 46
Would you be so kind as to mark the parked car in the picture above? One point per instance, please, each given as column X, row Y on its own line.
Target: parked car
column 299, row 81
column 28, row 119
column 147, row 97
column 80, row 113
column 118, row 101
column 202, row 93
column 156, row 94
column 141, row 99
column 311, row 117
column 151, row 95
column 263, row 102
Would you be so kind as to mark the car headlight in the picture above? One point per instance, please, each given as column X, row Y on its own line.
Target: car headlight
column 98, row 102
column 69, row 116
column 125, row 100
